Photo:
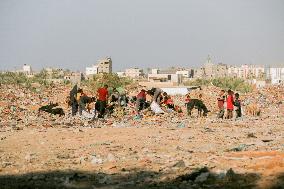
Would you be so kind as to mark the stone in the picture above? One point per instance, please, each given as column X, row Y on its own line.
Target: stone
column 96, row 160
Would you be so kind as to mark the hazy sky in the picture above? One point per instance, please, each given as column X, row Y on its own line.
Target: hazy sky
column 146, row 33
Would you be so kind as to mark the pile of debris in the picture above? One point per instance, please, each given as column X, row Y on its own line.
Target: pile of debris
column 19, row 107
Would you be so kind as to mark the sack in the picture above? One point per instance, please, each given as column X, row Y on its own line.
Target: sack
column 88, row 115
column 156, row 108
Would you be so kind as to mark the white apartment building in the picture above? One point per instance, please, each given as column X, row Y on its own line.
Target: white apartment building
column 184, row 73
column 155, row 76
column 91, row 70
column 27, row 69
column 133, row 72
column 103, row 66
column 246, row 71
column 276, row 75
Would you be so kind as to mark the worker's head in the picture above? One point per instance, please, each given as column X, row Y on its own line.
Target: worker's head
column 230, row 92
column 237, row 95
column 150, row 92
column 106, row 86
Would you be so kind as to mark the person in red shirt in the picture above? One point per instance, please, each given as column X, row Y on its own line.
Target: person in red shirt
column 187, row 100
column 141, row 100
column 230, row 104
column 101, row 104
column 170, row 103
column 221, row 101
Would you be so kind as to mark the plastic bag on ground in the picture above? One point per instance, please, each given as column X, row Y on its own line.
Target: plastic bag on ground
column 86, row 114
column 156, row 108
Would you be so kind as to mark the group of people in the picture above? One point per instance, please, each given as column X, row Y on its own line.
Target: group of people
column 230, row 102
column 103, row 100
column 106, row 101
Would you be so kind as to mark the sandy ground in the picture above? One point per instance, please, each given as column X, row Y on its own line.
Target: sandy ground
column 153, row 156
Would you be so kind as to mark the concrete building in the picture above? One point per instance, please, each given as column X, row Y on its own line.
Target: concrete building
column 74, row 77
column 247, row 71
column 27, row 69
column 156, row 76
column 92, row 70
column 211, row 70
column 103, row 66
column 275, row 75
column 134, row 72
column 121, row 74
column 184, row 73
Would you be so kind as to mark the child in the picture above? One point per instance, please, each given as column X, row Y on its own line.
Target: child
column 187, row 100
column 221, row 101
column 230, row 104
column 141, row 100
column 237, row 104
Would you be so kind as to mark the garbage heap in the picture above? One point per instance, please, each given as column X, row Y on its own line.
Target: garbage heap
column 19, row 106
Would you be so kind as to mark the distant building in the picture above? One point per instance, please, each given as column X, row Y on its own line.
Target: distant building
column 103, row 66
column 120, row 74
column 211, row 70
column 27, row 69
column 247, row 71
column 74, row 77
column 156, row 76
column 92, row 70
column 186, row 73
column 275, row 75
column 133, row 72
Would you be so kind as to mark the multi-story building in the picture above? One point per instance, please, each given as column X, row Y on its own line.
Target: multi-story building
column 156, row 76
column 27, row 69
column 133, row 72
column 120, row 74
column 184, row 73
column 247, row 71
column 211, row 70
column 103, row 66
column 92, row 70
column 74, row 77
column 275, row 75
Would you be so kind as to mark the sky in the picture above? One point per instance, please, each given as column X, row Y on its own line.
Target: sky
column 146, row 33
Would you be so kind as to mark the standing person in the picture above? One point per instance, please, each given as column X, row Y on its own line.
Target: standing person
column 80, row 95
column 102, row 100
column 237, row 104
column 230, row 104
column 141, row 100
column 187, row 100
column 221, row 101
column 73, row 100
column 122, row 96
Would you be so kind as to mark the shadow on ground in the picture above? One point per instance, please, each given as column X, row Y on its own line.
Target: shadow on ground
column 127, row 179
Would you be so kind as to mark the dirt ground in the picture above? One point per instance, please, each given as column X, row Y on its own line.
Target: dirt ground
column 203, row 153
